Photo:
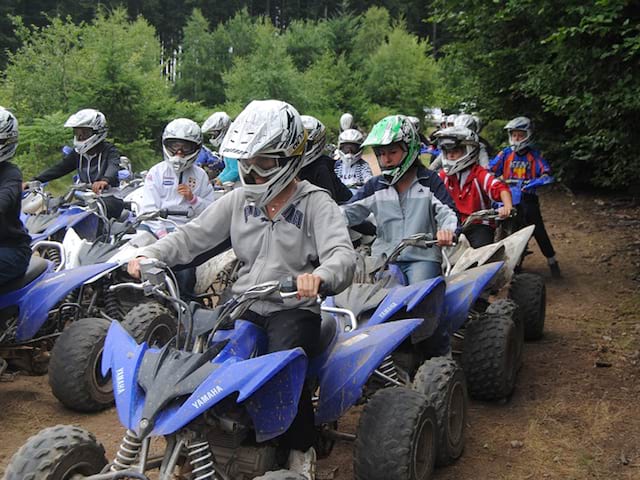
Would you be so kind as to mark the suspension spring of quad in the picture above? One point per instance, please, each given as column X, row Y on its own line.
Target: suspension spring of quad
column 128, row 452
column 112, row 305
column 388, row 369
column 201, row 460
column 53, row 255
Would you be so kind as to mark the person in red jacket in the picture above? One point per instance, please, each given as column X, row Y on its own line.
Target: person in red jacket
column 471, row 186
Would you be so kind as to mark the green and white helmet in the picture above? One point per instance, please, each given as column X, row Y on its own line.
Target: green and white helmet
column 394, row 129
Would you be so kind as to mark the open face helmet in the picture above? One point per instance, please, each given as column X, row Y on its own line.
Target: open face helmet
column 181, row 143
column 215, row 128
column 395, row 129
column 89, row 129
column 523, row 124
column 350, row 146
column 316, row 138
column 458, row 137
column 346, row 122
column 8, row 134
column 269, row 141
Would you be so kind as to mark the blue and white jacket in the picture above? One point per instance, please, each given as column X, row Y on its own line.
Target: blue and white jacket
column 425, row 207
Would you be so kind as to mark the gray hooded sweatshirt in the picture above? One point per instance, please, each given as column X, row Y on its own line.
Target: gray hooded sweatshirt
column 308, row 235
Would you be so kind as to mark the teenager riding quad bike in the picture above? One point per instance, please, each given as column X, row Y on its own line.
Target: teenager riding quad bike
column 220, row 402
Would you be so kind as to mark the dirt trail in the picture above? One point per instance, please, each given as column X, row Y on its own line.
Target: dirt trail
column 574, row 412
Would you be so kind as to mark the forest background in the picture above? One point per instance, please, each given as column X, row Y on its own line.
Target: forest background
column 572, row 66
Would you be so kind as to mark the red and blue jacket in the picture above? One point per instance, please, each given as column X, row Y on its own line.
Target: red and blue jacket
column 526, row 166
column 479, row 189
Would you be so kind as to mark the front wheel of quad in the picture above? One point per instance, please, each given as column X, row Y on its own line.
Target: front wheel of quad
column 529, row 292
column 490, row 356
column 62, row 452
column 151, row 323
column 396, row 438
column 75, row 371
column 442, row 381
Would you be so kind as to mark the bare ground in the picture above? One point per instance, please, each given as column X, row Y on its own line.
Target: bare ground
column 574, row 414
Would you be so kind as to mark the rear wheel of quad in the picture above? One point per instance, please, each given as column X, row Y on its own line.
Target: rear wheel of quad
column 490, row 356
column 151, row 323
column 442, row 381
column 396, row 438
column 529, row 292
column 62, row 452
column 509, row 309
column 75, row 371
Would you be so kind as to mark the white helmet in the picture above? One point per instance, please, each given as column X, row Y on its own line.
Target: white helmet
column 454, row 137
column 8, row 134
column 271, row 129
column 215, row 127
column 88, row 118
column 183, row 135
column 316, row 138
column 524, row 124
column 467, row 121
column 346, row 122
column 451, row 119
column 415, row 121
column 350, row 146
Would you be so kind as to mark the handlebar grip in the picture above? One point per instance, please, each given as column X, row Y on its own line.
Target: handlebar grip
column 164, row 213
column 289, row 285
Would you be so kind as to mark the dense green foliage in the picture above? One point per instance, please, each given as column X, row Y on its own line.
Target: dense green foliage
column 573, row 67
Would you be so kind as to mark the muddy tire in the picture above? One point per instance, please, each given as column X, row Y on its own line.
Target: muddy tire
column 57, row 453
column 75, row 374
column 529, row 292
column 151, row 323
column 396, row 437
column 489, row 357
column 509, row 308
column 281, row 475
column 443, row 382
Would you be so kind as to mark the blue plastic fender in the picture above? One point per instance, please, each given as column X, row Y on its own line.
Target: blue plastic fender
column 463, row 289
column 50, row 289
column 348, row 365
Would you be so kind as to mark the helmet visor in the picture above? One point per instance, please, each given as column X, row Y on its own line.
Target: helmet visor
column 351, row 148
column 174, row 145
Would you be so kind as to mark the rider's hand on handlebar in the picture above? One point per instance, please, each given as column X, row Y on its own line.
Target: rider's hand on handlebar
column 308, row 285
column 445, row 238
column 133, row 267
column 99, row 186
column 504, row 212
column 185, row 191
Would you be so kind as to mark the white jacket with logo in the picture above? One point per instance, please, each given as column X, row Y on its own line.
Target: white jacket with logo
column 161, row 191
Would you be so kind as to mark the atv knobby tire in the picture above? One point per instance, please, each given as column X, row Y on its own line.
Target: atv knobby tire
column 396, row 437
column 57, row 453
column 490, row 356
column 75, row 372
column 529, row 292
column 281, row 475
column 151, row 323
column 510, row 309
column 442, row 381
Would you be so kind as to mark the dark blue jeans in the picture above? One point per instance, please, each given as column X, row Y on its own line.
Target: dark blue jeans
column 13, row 263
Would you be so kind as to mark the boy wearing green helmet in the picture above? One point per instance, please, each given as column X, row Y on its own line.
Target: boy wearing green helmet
column 406, row 199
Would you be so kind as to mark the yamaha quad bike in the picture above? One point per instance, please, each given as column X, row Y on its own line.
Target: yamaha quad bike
column 34, row 310
column 220, row 402
column 526, row 290
column 487, row 338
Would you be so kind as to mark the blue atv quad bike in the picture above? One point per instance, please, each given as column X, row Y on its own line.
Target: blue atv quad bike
column 220, row 402
column 486, row 339
column 35, row 308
